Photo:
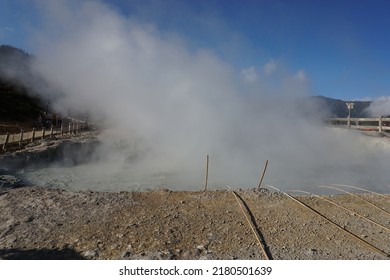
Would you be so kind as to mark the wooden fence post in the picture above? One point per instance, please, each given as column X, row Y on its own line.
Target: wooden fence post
column 51, row 131
column 380, row 124
column 33, row 135
column 6, row 141
column 62, row 130
column 262, row 175
column 21, row 138
column 43, row 133
column 207, row 173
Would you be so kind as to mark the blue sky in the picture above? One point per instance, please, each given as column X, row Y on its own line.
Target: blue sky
column 342, row 47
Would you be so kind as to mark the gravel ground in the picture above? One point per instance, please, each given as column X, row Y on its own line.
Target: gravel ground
column 41, row 223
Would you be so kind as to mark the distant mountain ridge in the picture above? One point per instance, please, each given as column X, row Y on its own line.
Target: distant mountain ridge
column 336, row 108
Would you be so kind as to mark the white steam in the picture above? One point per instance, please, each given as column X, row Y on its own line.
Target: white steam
column 380, row 106
column 166, row 107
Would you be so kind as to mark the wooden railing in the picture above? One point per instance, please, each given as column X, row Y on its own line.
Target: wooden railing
column 368, row 124
column 75, row 127
column 29, row 136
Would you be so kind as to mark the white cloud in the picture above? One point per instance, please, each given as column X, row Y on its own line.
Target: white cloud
column 366, row 98
column 300, row 76
column 270, row 67
column 4, row 31
column 249, row 74
column 8, row 29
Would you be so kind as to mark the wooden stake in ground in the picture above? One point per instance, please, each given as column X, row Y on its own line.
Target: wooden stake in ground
column 262, row 175
column 21, row 138
column 33, row 135
column 207, row 173
column 6, row 141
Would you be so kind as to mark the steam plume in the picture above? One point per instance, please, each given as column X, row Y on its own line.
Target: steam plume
column 380, row 106
column 167, row 106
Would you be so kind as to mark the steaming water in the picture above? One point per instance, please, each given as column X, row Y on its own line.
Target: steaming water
column 371, row 173
column 85, row 177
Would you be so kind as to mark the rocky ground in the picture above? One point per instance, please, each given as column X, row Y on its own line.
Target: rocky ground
column 39, row 223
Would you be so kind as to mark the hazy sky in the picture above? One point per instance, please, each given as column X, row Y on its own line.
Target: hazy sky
column 341, row 48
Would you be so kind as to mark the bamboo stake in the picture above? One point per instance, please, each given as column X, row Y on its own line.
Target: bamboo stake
column 207, row 173
column 262, row 175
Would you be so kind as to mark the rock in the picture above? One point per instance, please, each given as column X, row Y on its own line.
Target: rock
column 90, row 254
column 312, row 252
column 126, row 255
column 28, row 219
column 10, row 182
column 206, row 257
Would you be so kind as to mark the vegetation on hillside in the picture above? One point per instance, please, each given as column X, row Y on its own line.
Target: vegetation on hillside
column 19, row 102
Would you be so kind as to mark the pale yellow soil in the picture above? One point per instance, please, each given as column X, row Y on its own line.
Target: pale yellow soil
column 161, row 224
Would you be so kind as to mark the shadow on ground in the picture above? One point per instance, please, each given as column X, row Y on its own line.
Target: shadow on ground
column 40, row 254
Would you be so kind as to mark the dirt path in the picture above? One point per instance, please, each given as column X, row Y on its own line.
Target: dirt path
column 44, row 223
